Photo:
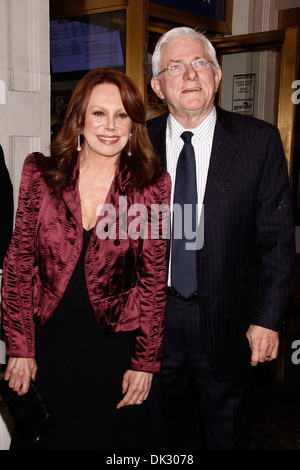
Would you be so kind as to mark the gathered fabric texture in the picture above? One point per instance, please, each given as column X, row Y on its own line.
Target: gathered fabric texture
column 125, row 269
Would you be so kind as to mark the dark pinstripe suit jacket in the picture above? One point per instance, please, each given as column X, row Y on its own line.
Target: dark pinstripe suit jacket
column 245, row 267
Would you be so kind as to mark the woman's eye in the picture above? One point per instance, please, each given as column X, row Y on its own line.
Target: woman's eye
column 122, row 116
column 98, row 113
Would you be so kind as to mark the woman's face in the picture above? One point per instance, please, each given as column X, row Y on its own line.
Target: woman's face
column 107, row 125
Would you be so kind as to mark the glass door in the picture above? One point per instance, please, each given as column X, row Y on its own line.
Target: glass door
column 258, row 72
column 87, row 34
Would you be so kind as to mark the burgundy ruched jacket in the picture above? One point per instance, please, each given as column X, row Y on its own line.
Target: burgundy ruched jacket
column 125, row 272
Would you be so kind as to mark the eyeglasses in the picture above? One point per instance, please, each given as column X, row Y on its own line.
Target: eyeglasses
column 200, row 65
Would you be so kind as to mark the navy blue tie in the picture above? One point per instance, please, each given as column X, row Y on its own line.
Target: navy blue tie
column 183, row 261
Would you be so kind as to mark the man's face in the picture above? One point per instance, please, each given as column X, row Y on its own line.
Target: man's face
column 190, row 95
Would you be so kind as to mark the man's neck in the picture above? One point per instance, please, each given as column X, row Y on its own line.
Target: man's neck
column 191, row 120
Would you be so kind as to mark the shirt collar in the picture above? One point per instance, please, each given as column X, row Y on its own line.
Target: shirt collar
column 204, row 131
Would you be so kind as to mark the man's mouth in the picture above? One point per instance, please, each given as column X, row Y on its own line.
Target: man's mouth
column 191, row 90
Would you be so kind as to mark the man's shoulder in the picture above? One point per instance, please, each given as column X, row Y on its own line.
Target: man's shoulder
column 158, row 123
column 231, row 121
column 236, row 120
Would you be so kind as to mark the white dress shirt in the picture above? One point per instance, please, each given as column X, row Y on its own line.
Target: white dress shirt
column 202, row 142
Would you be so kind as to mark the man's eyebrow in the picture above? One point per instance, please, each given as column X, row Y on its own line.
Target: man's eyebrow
column 181, row 60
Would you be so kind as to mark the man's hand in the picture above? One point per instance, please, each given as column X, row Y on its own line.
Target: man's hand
column 264, row 344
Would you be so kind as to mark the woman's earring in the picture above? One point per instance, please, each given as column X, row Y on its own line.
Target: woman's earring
column 78, row 144
column 129, row 146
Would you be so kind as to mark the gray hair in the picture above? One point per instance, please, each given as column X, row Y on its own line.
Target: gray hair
column 182, row 33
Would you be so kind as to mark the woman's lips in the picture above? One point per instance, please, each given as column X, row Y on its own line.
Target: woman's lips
column 108, row 139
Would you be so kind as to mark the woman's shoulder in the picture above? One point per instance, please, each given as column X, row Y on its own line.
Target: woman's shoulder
column 36, row 160
column 162, row 176
column 160, row 185
column 34, row 166
column 35, row 163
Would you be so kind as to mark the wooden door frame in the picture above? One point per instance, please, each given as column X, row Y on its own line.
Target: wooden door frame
column 286, row 41
column 163, row 18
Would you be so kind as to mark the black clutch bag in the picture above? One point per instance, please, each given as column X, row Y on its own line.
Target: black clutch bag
column 29, row 412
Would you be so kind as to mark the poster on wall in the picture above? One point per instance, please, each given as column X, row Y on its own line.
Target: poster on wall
column 243, row 94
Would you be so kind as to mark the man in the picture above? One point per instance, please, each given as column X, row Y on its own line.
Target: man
column 244, row 269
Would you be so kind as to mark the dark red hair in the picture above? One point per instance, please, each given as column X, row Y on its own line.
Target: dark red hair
column 142, row 163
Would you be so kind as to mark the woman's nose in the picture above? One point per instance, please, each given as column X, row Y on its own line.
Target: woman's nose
column 110, row 123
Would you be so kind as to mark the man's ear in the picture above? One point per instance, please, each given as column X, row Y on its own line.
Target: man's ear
column 218, row 77
column 155, row 83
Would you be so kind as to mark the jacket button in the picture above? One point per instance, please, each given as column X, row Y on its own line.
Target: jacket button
column 117, row 242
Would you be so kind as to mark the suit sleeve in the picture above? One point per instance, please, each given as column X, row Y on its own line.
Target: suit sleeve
column 275, row 238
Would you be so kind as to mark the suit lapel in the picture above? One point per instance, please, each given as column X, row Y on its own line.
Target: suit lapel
column 223, row 159
column 224, row 156
column 113, row 203
column 157, row 134
column 70, row 196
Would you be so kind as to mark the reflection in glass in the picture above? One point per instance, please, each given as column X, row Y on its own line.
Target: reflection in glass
column 80, row 44
column 250, row 83
column 86, row 42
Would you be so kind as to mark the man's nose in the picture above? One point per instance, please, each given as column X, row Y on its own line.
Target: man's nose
column 190, row 72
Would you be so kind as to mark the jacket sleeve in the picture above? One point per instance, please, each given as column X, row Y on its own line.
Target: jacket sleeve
column 275, row 238
column 19, row 267
column 152, row 279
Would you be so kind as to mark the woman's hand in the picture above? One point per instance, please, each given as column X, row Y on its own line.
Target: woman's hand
column 136, row 387
column 19, row 371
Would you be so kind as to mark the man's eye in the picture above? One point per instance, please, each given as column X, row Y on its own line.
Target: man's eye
column 200, row 63
column 176, row 67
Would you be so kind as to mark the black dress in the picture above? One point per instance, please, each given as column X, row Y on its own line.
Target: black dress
column 80, row 371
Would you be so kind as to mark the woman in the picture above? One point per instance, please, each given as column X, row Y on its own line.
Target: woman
column 83, row 306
